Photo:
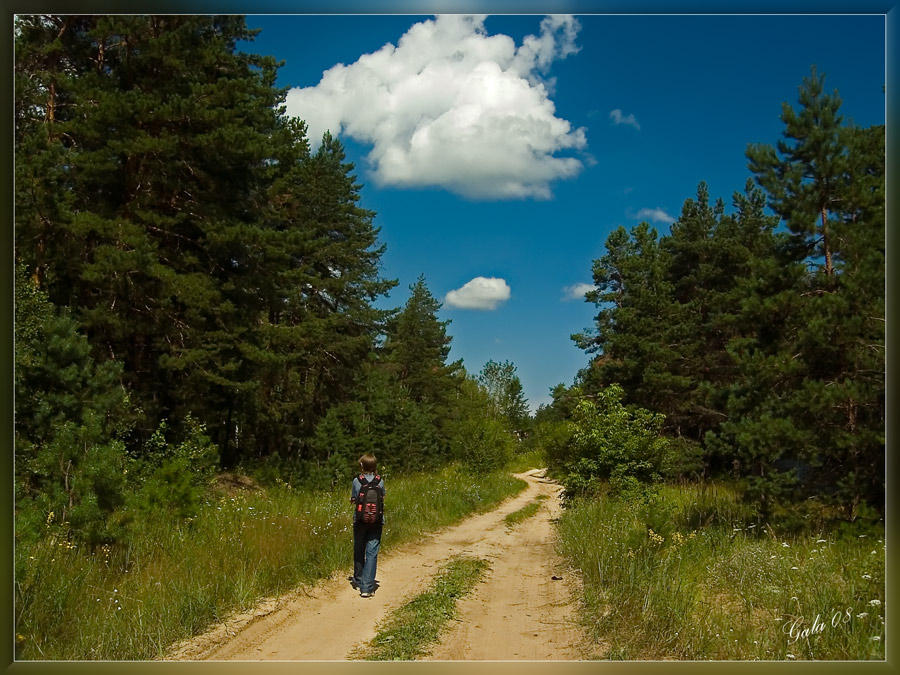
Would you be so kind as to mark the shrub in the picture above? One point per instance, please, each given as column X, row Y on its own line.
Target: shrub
column 613, row 443
column 173, row 476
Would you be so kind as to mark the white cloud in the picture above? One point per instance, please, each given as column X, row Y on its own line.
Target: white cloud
column 657, row 215
column 618, row 118
column 577, row 291
column 454, row 107
column 479, row 293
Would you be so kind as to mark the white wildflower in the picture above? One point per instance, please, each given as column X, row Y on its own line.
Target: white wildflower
column 862, row 615
column 867, row 576
column 875, row 603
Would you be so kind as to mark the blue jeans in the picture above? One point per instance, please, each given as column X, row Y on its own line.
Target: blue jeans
column 366, row 542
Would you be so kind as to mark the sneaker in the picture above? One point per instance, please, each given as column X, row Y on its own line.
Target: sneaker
column 366, row 595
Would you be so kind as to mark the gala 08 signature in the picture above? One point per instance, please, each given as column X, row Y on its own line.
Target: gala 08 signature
column 797, row 630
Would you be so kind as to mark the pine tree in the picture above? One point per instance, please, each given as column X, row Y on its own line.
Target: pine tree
column 807, row 419
column 71, row 414
column 636, row 307
column 157, row 131
column 417, row 347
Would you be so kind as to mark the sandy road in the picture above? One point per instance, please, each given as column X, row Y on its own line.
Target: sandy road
column 523, row 610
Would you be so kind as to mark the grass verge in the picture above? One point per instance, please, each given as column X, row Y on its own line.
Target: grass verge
column 412, row 629
column 527, row 511
column 173, row 578
column 695, row 577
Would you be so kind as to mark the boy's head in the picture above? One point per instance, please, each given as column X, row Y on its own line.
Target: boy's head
column 367, row 462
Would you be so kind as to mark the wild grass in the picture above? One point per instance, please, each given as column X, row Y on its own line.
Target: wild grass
column 413, row 628
column 527, row 511
column 527, row 460
column 696, row 577
column 173, row 578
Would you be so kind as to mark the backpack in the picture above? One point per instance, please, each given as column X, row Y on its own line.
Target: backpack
column 370, row 502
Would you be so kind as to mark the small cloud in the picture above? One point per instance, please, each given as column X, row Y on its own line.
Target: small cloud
column 479, row 293
column 657, row 215
column 577, row 291
column 618, row 118
column 628, row 189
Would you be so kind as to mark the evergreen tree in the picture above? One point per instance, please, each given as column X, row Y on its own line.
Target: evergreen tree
column 417, row 348
column 636, row 305
column 805, row 177
column 317, row 275
column 158, row 133
column 70, row 417
column 808, row 418
column 164, row 198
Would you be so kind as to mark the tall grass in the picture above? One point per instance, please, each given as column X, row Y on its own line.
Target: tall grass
column 695, row 577
column 173, row 578
column 526, row 460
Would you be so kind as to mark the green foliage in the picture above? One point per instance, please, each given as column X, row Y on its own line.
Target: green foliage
column 173, row 477
column 481, row 440
column 185, row 223
column 613, row 443
column 173, row 578
column 683, row 460
column 806, row 414
column 417, row 347
column 506, row 394
column 553, row 438
column 71, row 415
column 411, row 629
column 696, row 576
column 767, row 347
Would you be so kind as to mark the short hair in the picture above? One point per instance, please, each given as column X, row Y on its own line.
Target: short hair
column 367, row 462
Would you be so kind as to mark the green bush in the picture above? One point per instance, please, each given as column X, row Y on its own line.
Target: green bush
column 613, row 443
column 683, row 460
column 173, row 476
column 553, row 438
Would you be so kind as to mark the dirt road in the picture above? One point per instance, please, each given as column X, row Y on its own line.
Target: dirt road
column 524, row 609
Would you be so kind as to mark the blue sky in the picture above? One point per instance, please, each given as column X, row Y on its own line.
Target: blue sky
column 499, row 165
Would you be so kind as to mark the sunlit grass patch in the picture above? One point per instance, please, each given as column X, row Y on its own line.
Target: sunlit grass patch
column 416, row 626
column 695, row 577
column 526, row 511
column 174, row 578
column 525, row 461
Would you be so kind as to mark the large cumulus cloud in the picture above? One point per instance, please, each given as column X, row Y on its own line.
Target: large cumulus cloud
column 454, row 107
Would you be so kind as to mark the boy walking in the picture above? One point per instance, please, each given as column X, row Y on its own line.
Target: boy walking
column 367, row 495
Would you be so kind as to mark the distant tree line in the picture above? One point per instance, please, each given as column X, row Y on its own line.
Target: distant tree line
column 758, row 334
column 196, row 288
